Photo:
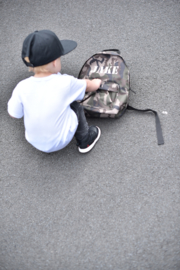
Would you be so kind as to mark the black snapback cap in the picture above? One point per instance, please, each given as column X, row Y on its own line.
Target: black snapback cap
column 42, row 47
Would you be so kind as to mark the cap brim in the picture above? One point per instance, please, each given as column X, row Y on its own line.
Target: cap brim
column 68, row 46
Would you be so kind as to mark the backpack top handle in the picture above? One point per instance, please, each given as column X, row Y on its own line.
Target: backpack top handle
column 112, row 50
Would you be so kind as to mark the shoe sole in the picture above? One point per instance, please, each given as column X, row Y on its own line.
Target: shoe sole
column 86, row 150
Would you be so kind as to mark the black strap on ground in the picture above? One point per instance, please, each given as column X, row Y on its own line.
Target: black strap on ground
column 158, row 125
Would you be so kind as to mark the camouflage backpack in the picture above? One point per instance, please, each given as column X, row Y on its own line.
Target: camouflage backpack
column 112, row 98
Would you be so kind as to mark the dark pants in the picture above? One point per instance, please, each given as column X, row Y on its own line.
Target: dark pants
column 83, row 128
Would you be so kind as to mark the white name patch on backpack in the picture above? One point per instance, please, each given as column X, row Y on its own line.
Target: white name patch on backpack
column 107, row 70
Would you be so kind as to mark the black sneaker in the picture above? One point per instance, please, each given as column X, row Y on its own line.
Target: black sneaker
column 94, row 135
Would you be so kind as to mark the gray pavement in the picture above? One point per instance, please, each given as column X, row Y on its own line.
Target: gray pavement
column 117, row 207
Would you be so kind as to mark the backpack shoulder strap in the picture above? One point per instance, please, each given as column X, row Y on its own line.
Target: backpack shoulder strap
column 158, row 125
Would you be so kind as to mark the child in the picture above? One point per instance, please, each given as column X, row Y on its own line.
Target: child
column 48, row 100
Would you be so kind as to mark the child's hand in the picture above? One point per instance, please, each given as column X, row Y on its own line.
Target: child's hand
column 97, row 83
column 93, row 85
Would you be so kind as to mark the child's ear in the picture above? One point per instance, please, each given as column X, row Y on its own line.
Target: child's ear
column 54, row 63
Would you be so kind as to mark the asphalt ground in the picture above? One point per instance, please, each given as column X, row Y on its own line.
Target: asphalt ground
column 118, row 206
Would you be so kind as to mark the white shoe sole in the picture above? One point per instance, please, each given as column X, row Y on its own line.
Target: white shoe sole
column 86, row 150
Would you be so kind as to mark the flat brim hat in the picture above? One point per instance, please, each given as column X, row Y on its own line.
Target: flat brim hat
column 43, row 47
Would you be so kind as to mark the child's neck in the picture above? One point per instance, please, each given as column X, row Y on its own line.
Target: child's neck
column 42, row 74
